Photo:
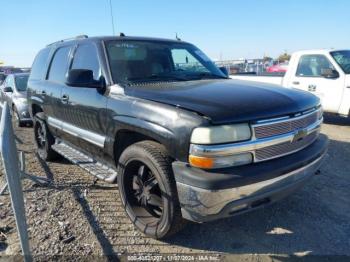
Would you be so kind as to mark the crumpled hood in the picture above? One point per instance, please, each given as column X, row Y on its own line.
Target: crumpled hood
column 227, row 101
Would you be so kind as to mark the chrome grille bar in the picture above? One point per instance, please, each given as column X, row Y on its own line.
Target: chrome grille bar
column 278, row 127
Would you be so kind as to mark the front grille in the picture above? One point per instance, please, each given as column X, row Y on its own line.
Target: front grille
column 285, row 148
column 286, row 126
column 272, row 138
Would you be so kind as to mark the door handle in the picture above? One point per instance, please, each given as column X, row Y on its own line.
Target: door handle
column 65, row 98
column 312, row 88
column 296, row 83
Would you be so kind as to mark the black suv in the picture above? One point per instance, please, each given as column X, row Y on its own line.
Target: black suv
column 181, row 139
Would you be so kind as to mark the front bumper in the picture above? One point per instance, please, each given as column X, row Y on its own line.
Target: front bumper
column 23, row 113
column 206, row 196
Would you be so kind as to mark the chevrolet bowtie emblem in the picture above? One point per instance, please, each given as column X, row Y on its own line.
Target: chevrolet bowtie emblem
column 299, row 134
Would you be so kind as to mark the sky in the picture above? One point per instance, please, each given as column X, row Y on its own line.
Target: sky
column 225, row 29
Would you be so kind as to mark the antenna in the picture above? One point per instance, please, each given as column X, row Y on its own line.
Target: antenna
column 112, row 18
column 177, row 38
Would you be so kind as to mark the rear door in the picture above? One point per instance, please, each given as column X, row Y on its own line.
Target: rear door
column 84, row 108
column 52, row 91
column 309, row 77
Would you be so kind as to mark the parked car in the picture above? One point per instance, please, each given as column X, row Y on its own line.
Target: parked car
column 278, row 68
column 14, row 92
column 325, row 73
column 2, row 77
column 182, row 142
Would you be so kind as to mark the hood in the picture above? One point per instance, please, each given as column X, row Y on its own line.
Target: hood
column 227, row 101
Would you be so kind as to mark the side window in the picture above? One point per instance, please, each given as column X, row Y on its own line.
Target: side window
column 86, row 57
column 40, row 64
column 59, row 65
column 313, row 65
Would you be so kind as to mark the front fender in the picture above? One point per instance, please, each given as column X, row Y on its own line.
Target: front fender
column 146, row 128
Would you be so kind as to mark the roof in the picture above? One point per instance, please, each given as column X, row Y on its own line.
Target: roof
column 317, row 51
column 121, row 38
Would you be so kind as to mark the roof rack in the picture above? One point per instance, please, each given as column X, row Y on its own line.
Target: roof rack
column 69, row 39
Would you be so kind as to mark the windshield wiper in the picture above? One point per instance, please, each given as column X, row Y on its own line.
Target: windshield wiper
column 208, row 76
column 156, row 77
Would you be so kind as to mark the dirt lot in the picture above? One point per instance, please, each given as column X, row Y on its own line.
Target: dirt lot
column 77, row 218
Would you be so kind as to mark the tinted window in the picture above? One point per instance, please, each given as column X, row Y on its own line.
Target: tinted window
column 39, row 66
column 21, row 82
column 313, row 65
column 59, row 65
column 138, row 61
column 86, row 58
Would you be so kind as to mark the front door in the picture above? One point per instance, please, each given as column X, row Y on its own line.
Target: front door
column 84, row 108
column 309, row 78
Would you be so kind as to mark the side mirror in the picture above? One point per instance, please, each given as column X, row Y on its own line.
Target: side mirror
column 83, row 78
column 329, row 73
column 8, row 89
column 224, row 71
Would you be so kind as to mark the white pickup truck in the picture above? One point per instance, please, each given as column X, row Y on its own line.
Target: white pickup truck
column 326, row 73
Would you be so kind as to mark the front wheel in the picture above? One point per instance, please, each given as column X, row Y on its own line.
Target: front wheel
column 148, row 190
column 43, row 139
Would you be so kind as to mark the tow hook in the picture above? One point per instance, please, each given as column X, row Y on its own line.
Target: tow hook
column 318, row 172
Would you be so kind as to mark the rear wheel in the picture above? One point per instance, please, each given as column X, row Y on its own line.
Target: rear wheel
column 148, row 190
column 43, row 139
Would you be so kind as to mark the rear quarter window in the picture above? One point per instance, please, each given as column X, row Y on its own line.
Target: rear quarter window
column 40, row 64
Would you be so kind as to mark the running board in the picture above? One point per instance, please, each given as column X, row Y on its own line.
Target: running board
column 78, row 158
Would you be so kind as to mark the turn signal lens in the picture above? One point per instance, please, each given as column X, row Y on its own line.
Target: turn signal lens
column 201, row 162
column 221, row 161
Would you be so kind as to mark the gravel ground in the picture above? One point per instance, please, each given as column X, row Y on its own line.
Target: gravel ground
column 79, row 218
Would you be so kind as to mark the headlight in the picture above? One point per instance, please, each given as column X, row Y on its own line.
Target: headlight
column 220, row 134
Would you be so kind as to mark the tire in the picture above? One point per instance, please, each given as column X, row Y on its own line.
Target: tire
column 153, row 219
column 19, row 123
column 43, row 139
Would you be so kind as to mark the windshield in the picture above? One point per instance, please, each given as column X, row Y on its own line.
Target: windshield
column 343, row 60
column 140, row 61
column 21, row 82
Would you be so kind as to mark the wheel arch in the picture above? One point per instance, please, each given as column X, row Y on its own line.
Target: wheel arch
column 131, row 130
column 35, row 108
